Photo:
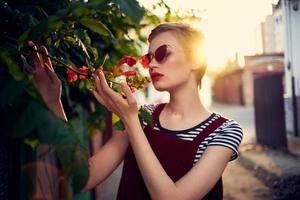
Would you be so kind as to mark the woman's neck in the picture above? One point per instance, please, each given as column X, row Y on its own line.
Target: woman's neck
column 184, row 102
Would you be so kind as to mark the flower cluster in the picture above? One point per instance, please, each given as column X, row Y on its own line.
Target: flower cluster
column 134, row 80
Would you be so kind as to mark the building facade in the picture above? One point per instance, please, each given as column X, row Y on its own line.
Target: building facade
column 291, row 13
column 272, row 31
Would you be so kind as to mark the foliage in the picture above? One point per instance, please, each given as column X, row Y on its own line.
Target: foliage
column 77, row 32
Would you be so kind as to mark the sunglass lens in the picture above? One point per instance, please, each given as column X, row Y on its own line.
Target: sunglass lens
column 160, row 53
column 146, row 59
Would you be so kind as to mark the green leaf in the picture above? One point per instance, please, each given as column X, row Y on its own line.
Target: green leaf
column 90, row 84
column 23, row 38
column 27, row 121
column 40, row 29
column 132, row 9
column 11, row 92
column 95, row 26
column 82, row 46
column 49, row 128
column 65, row 154
column 94, row 52
column 33, row 143
column 80, row 168
column 81, row 11
column 79, row 125
column 117, row 122
column 145, row 116
column 82, row 34
column 82, row 196
column 11, row 65
column 119, row 125
column 74, row 161
column 70, row 40
column 115, row 118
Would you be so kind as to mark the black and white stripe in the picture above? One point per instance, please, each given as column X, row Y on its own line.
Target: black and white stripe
column 229, row 134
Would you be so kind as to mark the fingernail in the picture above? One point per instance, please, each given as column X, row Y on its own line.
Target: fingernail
column 43, row 49
column 30, row 43
column 122, row 83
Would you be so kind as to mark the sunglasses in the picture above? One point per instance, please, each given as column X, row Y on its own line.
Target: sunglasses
column 160, row 55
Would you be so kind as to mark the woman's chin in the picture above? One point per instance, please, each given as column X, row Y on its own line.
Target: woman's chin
column 159, row 87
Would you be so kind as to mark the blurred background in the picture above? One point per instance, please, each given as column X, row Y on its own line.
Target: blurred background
column 253, row 77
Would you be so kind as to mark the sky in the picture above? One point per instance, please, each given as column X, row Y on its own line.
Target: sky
column 230, row 26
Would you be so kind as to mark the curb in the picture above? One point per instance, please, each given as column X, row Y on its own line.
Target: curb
column 283, row 187
column 267, row 177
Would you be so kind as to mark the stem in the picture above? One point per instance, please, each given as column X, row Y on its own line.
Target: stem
column 105, row 58
column 60, row 62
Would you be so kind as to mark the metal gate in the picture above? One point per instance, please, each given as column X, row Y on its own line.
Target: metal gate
column 269, row 110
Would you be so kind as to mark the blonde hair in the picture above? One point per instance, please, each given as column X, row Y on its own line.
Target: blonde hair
column 191, row 39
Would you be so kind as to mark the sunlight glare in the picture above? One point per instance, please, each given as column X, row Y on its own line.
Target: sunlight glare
column 230, row 26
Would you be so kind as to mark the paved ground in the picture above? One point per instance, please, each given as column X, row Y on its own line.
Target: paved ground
column 243, row 179
column 243, row 115
column 242, row 184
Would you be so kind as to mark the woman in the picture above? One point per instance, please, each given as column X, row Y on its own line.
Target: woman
column 184, row 155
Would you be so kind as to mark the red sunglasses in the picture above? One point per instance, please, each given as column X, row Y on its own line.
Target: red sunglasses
column 160, row 54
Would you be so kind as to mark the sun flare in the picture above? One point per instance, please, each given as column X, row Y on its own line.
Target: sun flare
column 230, row 26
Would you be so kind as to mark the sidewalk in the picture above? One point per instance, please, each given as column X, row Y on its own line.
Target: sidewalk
column 277, row 170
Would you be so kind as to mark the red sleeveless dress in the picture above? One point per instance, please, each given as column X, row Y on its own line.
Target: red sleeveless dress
column 175, row 155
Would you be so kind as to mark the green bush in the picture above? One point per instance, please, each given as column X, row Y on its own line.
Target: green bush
column 79, row 33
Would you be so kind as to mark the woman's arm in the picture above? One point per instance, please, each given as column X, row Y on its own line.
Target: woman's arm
column 46, row 81
column 194, row 185
column 107, row 159
column 58, row 110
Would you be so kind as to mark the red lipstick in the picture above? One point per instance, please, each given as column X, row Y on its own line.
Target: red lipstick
column 155, row 76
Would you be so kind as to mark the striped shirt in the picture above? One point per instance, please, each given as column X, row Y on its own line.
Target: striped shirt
column 229, row 134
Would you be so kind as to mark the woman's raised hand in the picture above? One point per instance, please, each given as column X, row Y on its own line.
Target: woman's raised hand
column 46, row 80
column 126, row 109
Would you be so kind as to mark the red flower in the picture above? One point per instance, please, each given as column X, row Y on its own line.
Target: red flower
column 129, row 60
column 83, row 70
column 129, row 73
column 133, row 89
column 145, row 61
column 72, row 76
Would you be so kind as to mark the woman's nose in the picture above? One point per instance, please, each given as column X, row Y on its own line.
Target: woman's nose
column 153, row 64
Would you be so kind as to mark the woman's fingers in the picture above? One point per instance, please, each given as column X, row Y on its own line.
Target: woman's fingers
column 51, row 74
column 45, row 58
column 114, row 100
column 102, row 97
column 130, row 98
column 98, row 97
column 98, row 85
column 35, row 56
column 105, row 88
